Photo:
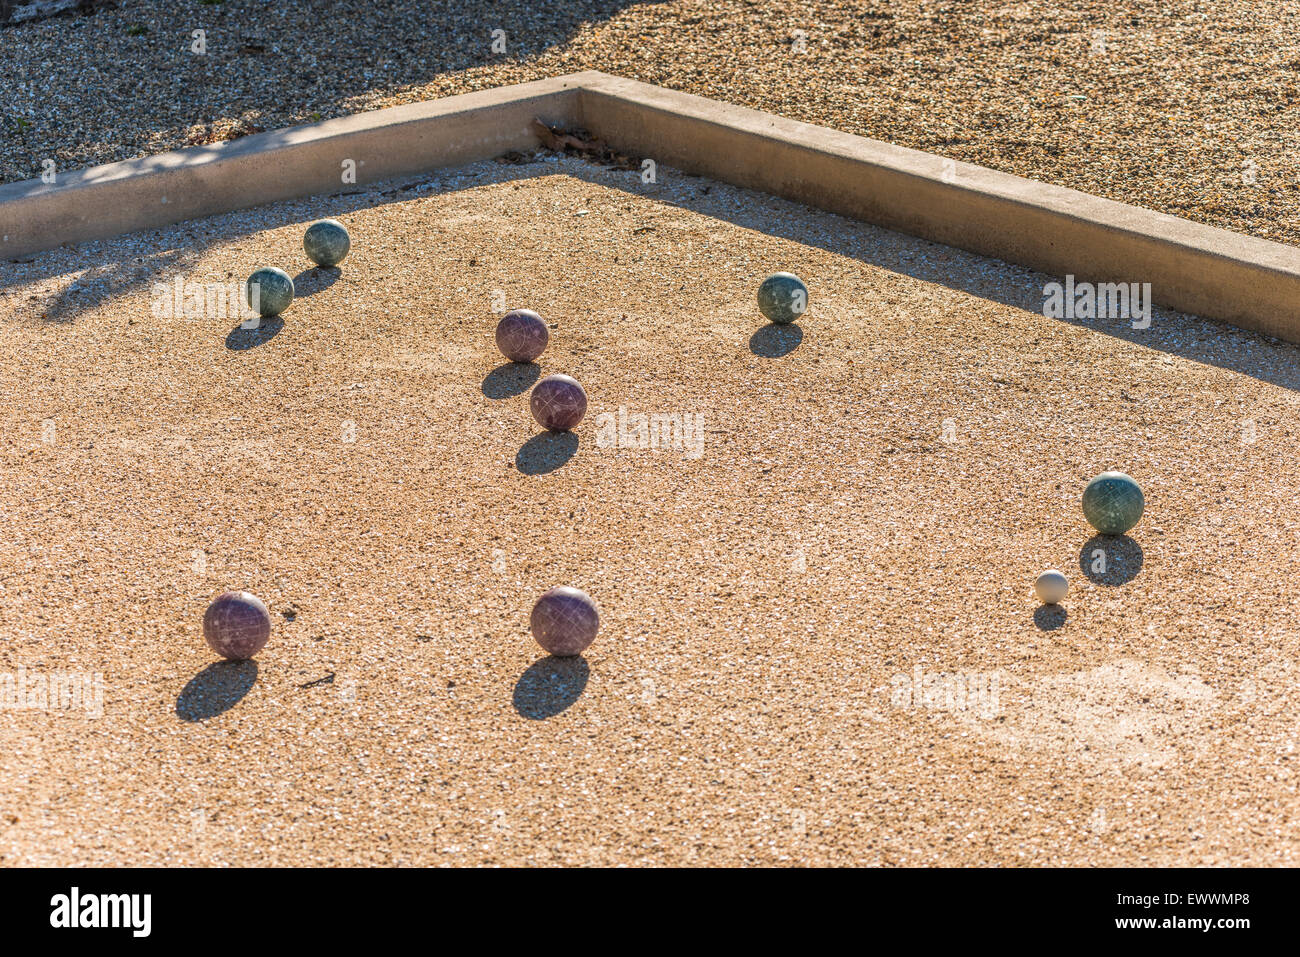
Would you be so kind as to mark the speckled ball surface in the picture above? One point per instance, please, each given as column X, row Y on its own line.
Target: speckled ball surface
column 236, row 625
column 522, row 335
column 274, row 291
column 558, row 403
column 1051, row 587
column 565, row 621
column 782, row 297
column 1113, row 503
column 326, row 242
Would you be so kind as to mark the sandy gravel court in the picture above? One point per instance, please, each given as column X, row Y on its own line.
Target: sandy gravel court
column 818, row 643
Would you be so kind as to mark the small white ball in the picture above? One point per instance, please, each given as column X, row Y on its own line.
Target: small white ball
column 1050, row 587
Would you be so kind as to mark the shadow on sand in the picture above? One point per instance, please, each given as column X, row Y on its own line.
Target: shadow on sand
column 240, row 339
column 1199, row 340
column 314, row 280
column 549, row 686
column 774, row 341
column 546, row 452
column 1110, row 559
column 217, row 688
column 1050, row 617
column 511, row 378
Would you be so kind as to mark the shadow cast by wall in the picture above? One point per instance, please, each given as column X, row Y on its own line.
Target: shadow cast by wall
column 549, row 686
column 1193, row 338
column 216, row 689
column 1189, row 337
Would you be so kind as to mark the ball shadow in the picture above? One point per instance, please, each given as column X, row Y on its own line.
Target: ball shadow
column 1121, row 558
column 1050, row 617
column 510, row 379
column 549, row 686
column 217, row 688
column 775, row 340
column 314, row 280
column 267, row 329
column 546, row 452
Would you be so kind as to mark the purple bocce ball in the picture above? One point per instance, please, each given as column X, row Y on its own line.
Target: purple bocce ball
column 522, row 335
column 236, row 625
column 564, row 621
column 558, row 403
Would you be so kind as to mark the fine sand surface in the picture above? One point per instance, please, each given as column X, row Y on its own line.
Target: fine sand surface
column 874, row 493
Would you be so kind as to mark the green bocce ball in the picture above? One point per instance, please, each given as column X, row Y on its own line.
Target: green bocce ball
column 1113, row 503
column 782, row 297
column 326, row 242
column 269, row 291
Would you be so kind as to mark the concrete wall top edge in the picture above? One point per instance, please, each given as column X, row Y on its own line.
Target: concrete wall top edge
column 1081, row 208
column 549, row 95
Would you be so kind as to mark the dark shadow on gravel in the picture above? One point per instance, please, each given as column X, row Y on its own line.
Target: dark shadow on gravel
column 1190, row 337
column 509, row 379
column 546, row 452
column 108, row 278
column 314, row 280
column 1110, row 559
column 240, row 339
column 217, row 688
column 1050, row 617
column 549, row 686
column 774, row 340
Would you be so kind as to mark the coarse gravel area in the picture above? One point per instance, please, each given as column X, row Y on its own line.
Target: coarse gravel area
column 818, row 642
column 1184, row 106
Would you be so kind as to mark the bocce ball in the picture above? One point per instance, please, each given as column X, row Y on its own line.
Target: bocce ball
column 1113, row 503
column 326, row 242
column 522, row 335
column 564, row 621
column 269, row 291
column 782, row 297
column 236, row 625
column 1050, row 587
column 558, row 403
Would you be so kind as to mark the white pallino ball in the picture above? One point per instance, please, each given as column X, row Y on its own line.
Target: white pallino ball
column 1050, row 587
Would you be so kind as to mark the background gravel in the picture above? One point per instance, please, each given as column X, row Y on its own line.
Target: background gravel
column 1172, row 105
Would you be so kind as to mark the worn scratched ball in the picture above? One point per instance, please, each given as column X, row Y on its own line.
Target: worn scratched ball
column 522, row 335
column 558, row 403
column 782, row 297
column 1051, row 587
column 269, row 291
column 236, row 625
column 1113, row 503
column 326, row 242
column 564, row 621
